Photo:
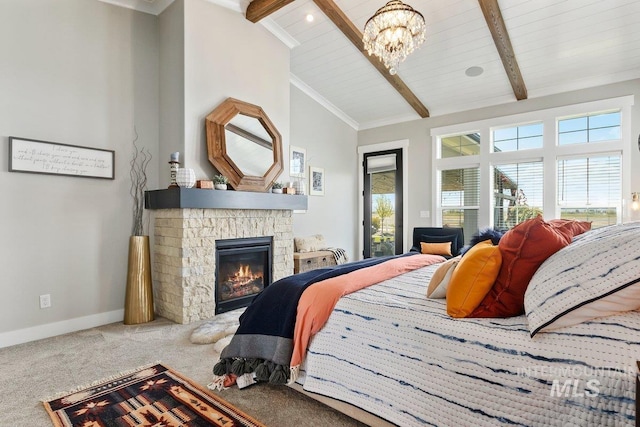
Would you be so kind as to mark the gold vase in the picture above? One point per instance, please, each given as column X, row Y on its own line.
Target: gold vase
column 138, row 302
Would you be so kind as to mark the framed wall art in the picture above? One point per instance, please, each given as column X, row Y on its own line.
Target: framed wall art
column 297, row 161
column 316, row 181
column 52, row 158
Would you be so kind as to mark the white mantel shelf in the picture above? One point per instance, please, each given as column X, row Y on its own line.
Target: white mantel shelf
column 198, row 198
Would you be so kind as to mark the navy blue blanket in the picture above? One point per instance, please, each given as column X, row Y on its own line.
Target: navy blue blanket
column 263, row 342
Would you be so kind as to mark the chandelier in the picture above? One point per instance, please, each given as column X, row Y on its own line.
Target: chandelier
column 393, row 32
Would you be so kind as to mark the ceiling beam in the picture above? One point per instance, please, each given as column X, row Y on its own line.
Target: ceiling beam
column 348, row 28
column 498, row 29
column 259, row 9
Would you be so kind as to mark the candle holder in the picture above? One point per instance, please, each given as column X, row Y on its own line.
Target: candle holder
column 174, row 164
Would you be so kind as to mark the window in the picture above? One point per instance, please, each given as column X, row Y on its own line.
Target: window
column 589, row 189
column 517, row 190
column 518, row 138
column 565, row 162
column 589, row 128
column 460, row 145
column 460, row 198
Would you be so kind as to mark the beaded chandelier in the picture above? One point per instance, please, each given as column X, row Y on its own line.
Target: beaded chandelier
column 394, row 32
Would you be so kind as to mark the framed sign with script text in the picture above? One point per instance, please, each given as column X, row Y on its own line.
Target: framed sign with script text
column 52, row 158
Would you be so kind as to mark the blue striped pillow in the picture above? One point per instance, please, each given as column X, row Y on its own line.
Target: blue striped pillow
column 597, row 275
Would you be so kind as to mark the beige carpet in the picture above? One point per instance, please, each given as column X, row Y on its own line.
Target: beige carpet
column 37, row 370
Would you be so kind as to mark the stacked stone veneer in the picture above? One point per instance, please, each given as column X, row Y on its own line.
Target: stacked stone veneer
column 184, row 265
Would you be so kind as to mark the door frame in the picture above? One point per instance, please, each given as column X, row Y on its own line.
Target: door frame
column 372, row 148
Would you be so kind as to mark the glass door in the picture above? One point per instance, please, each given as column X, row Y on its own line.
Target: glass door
column 383, row 203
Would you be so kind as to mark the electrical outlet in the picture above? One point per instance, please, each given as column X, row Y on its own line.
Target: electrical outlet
column 425, row 214
column 45, row 301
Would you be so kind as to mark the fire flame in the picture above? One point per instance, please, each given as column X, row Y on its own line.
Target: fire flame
column 244, row 272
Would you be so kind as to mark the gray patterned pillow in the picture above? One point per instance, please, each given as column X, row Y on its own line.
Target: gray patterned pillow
column 309, row 244
column 597, row 275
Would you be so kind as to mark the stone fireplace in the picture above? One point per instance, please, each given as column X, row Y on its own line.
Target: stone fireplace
column 188, row 223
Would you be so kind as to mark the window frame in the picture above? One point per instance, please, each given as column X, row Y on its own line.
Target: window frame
column 549, row 153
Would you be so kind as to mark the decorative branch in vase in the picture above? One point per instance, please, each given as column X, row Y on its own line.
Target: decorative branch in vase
column 138, row 303
column 138, row 173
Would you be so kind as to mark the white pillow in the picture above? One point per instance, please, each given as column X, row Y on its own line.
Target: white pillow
column 310, row 243
column 440, row 279
column 597, row 275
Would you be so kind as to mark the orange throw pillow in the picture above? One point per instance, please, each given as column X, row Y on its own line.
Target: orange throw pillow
column 472, row 278
column 524, row 248
column 436, row 248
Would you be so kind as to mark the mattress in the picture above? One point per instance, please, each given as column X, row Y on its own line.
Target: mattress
column 392, row 352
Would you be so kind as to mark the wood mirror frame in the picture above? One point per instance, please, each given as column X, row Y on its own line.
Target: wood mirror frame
column 217, row 146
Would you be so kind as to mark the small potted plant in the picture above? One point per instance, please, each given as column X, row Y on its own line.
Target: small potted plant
column 220, row 182
column 276, row 187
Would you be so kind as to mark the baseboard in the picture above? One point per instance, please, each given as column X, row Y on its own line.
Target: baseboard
column 48, row 330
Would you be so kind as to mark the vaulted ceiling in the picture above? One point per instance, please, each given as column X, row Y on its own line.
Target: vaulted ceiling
column 526, row 49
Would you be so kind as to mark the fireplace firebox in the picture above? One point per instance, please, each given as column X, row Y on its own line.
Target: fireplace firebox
column 243, row 269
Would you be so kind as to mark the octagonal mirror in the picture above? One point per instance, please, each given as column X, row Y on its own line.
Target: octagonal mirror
column 244, row 145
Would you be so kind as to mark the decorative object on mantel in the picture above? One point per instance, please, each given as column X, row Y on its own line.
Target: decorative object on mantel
column 244, row 145
column 298, row 184
column 220, row 182
column 174, row 164
column 204, row 183
column 185, row 177
column 276, row 187
column 393, row 32
column 316, row 181
column 289, row 190
column 138, row 304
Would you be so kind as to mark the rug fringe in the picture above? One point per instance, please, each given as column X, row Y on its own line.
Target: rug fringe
column 97, row 382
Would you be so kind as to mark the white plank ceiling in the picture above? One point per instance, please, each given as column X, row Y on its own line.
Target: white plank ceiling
column 560, row 45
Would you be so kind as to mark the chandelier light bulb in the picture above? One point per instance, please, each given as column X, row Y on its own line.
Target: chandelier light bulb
column 393, row 32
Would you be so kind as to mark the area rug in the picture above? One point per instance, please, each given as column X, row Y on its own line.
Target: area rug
column 151, row 396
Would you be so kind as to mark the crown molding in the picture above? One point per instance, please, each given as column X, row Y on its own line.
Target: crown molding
column 389, row 121
column 279, row 32
column 236, row 5
column 295, row 80
column 152, row 7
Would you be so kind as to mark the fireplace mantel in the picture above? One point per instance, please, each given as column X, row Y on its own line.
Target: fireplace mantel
column 187, row 224
column 198, row 198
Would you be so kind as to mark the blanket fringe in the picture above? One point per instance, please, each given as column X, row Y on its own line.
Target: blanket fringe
column 294, row 372
column 218, row 383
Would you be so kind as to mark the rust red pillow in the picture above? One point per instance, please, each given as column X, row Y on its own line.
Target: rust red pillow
column 571, row 226
column 523, row 248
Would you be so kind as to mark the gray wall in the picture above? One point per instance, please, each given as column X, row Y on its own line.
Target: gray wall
column 76, row 72
column 330, row 144
column 420, row 151
column 228, row 56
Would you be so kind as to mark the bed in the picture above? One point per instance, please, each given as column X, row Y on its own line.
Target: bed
column 394, row 353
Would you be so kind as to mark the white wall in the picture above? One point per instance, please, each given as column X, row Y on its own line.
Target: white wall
column 330, row 144
column 76, row 72
column 420, row 152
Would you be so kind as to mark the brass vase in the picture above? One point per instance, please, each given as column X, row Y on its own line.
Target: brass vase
column 138, row 303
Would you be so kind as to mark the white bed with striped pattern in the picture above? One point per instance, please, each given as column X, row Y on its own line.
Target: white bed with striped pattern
column 391, row 351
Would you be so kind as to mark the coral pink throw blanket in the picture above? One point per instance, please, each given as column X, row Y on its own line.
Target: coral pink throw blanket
column 318, row 300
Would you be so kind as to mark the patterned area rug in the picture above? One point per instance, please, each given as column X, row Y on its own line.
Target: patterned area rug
column 151, row 396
